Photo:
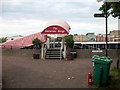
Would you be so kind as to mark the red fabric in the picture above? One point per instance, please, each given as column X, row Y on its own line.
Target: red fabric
column 54, row 29
column 22, row 42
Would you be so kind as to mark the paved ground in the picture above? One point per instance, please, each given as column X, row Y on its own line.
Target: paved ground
column 25, row 72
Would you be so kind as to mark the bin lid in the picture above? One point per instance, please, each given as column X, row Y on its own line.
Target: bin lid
column 95, row 56
column 101, row 59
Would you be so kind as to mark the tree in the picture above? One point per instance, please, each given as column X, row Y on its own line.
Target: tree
column 113, row 8
column 3, row 39
column 37, row 43
column 69, row 40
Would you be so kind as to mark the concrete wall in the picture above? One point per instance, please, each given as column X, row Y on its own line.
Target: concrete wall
column 85, row 53
column 81, row 53
column 20, row 52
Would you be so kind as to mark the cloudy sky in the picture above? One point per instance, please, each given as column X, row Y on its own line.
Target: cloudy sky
column 24, row 17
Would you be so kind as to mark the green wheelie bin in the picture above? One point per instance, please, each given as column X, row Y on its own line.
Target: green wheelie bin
column 101, row 67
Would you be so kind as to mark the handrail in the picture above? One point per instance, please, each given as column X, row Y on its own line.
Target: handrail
column 60, row 52
column 45, row 50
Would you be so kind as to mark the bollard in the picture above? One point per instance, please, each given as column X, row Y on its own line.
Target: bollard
column 118, row 64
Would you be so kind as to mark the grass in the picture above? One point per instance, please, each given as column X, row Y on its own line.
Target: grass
column 115, row 78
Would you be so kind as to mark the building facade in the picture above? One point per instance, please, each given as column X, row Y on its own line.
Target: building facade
column 90, row 37
column 83, row 38
column 76, row 38
column 115, row 36
column 100, row 38
column 79, row 38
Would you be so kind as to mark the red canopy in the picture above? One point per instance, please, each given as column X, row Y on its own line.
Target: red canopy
column 56, row 27
column 24, row 41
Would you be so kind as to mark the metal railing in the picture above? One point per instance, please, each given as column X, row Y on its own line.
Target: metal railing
column 60, row 52
column 45, row 50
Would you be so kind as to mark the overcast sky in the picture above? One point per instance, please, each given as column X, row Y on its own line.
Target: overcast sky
column 24, row 17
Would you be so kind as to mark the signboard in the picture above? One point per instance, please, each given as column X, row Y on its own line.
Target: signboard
column 97, row 51
column 54, row 30
column 59, row 38
column 99, row 15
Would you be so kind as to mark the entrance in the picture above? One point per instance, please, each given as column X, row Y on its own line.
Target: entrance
column 54, row 46
column 55, row 41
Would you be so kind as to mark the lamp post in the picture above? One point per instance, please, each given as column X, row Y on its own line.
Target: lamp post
column 106, row 29
column 104, row 15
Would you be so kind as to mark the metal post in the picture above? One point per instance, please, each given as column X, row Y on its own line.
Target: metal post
column 106, row 29
column 118, row 64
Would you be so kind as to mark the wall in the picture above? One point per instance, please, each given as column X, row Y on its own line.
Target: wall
column 20, row 52
column 85, row 53
column 81, row 53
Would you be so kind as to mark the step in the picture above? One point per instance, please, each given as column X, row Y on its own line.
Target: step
column 53, row 49
column 52, row 53
column 53, row 57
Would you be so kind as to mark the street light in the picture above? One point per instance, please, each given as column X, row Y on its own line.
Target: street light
column 104, row 15
column 106, row 28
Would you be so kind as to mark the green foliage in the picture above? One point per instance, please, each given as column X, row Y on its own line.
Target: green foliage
column 113, row 8
column 37, row 42
column 3, row 39
column 69, row 40
column 115, row 78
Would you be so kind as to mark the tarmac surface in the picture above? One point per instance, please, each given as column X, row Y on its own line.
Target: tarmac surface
column 22, row 71
column 26, row 72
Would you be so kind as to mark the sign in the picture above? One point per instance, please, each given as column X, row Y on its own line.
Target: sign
column 99, row 15
column 59, row 38
column 97, row 51
column 54, row 30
